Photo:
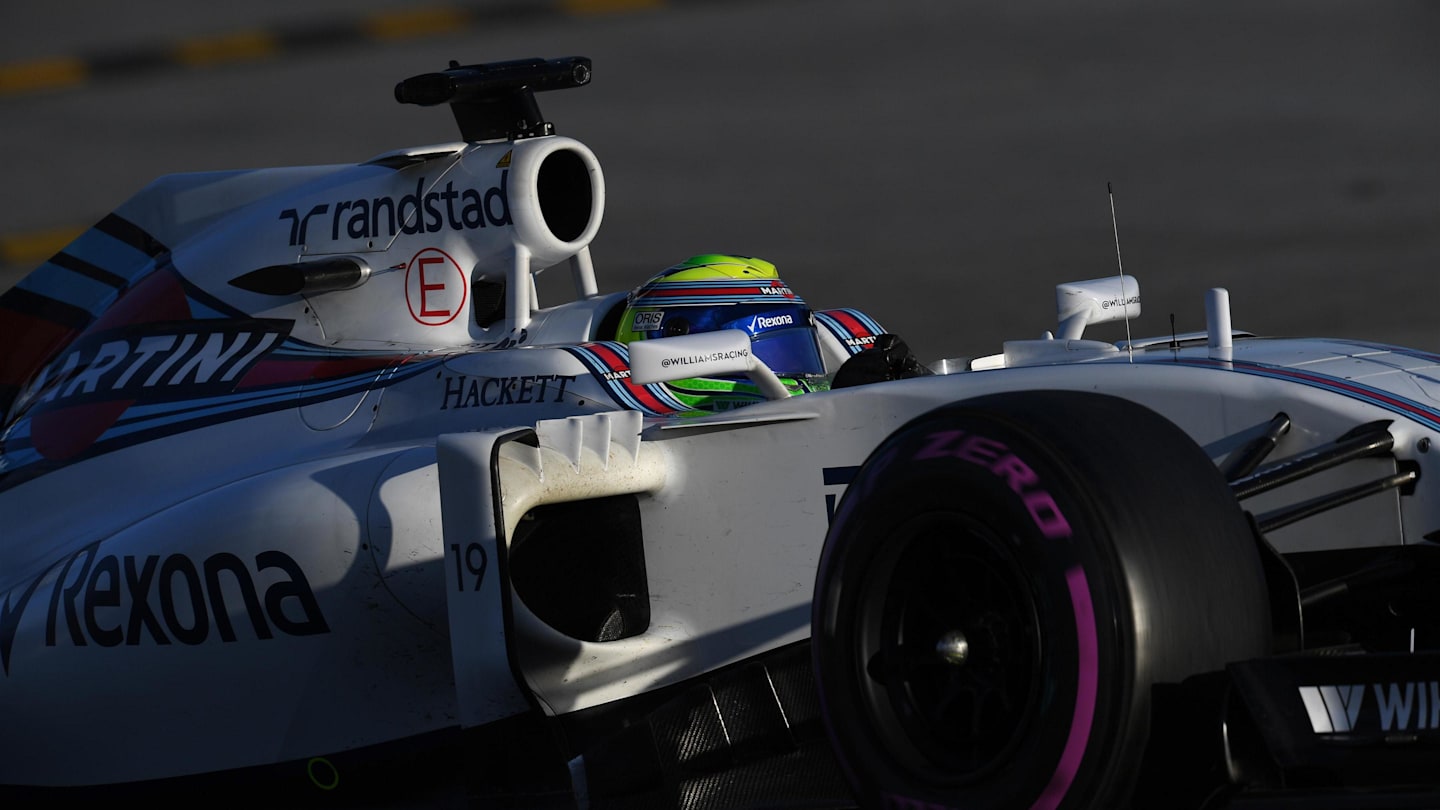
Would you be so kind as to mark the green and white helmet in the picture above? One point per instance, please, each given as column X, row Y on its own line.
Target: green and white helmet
column 709, row 292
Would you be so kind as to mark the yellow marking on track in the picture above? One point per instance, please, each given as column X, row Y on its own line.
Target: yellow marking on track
column 241, row 46
column 41, row 74
column 36, row 246
column 607, row 6
column 417, row 22
column 248, row 46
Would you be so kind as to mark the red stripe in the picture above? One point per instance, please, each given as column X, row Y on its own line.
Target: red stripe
column 1367, row 393
column 1323, row 381
column 850, row 322
column 648, row 398
column 272, row 372
column 611, row 358
column 716, row 291
column 67, row 432
column 26, row 344
column 614, row 362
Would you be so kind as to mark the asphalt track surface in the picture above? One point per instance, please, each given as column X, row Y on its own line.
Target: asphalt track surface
column 941, row 165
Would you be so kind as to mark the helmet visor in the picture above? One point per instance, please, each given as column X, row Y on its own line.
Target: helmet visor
column 789, row 352
column 783, row 336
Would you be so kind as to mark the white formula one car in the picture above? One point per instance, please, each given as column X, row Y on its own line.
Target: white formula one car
column 304, row 492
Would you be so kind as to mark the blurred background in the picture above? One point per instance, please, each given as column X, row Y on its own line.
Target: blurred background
column 941, row 164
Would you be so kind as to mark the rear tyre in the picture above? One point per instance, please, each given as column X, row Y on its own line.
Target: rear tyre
column 1003, row 582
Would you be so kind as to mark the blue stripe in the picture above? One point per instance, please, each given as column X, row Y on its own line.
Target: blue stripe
column 661, row 302
column 718, row 282
column 308, row 391
column 658, row 390
column 20, row 458
column 1408, row 408
column 618, row 392
column 294, row 348
column 843, row 333
column 834, row 328
column 662, row 392
column 68, row 287
column 98, row 249
column 104, row 250
column 142, row 419
column 869, row 322
column 1400, row 350
column 180, row 410
column 203, row 312
column 84, row 268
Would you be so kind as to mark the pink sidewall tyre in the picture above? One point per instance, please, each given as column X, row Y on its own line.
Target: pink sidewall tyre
column 1002, row 584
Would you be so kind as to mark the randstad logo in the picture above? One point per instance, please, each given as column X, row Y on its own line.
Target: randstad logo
column 421, row 212
column 760, row 322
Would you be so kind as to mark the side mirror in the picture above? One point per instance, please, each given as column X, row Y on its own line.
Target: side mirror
column 1100, row 300
column 707, row 354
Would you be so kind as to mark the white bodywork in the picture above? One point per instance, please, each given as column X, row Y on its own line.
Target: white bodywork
column 312, row 566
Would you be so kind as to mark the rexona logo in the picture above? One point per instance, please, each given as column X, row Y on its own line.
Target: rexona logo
column 760, row 322
column 421, row 212
column 112, row 600
column 1345, row 709
column 157, row 361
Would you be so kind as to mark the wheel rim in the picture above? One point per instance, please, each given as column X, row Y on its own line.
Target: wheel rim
column 949, row 648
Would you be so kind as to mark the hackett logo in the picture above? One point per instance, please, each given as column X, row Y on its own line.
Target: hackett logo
column 112, row 600
column 472, row 392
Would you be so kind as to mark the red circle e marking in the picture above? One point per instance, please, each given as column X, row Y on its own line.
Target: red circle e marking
column 435, row 288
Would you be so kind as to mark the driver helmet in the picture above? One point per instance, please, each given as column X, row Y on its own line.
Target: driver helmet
column 715, row 291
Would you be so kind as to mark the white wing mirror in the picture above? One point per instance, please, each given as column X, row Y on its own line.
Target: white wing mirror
column 1099, row 300
column 707, row 354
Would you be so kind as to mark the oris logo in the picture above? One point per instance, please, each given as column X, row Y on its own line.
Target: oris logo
column 760, row 322
column 647, row 321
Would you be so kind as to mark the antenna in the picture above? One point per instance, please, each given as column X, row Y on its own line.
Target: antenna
column 1125, row 300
